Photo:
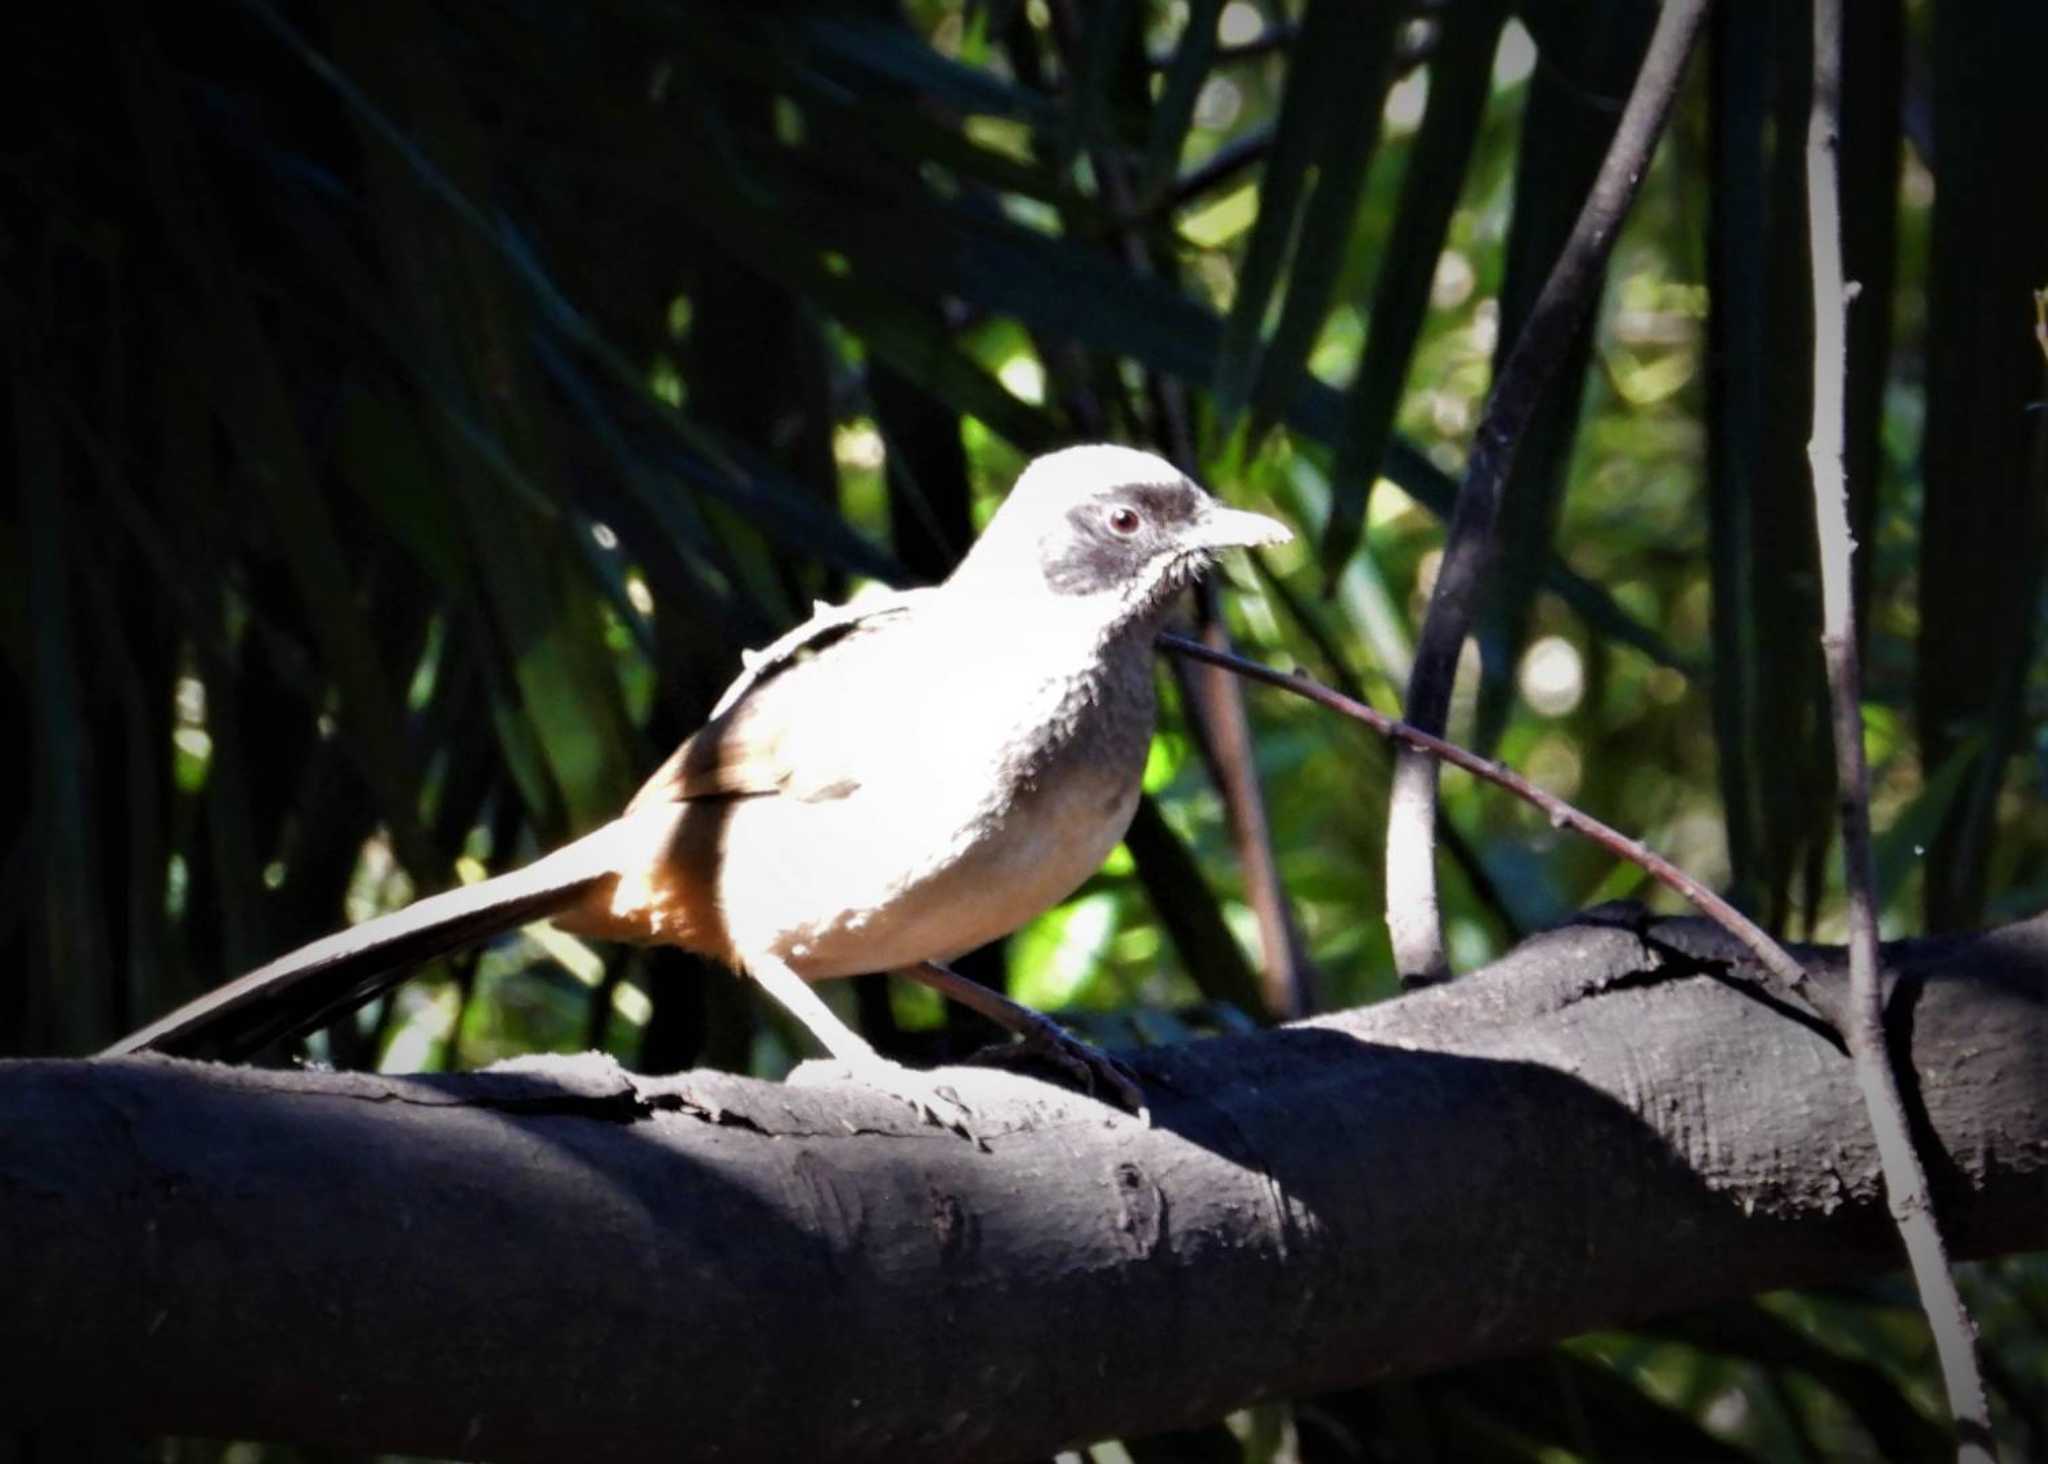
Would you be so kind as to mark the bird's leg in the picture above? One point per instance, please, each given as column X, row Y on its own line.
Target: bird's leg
column 852, row 1055
column 1096, row 1069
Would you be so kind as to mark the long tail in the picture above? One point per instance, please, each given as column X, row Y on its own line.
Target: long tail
column 305, row 990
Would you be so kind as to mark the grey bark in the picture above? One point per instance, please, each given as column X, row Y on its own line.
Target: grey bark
column 568, row 1262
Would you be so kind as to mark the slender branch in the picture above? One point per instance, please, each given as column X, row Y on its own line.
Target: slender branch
column 1285, row 976
column 1222, row 165
column 1905, row 1177
column 1779, row 962
column 1413, row 918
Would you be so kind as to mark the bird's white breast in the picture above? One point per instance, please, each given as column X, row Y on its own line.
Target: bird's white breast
column 999, row 764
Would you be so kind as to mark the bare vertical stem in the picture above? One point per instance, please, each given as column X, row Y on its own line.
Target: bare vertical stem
column 1286, row 975
column 1862, row 1019
column 1413, row 918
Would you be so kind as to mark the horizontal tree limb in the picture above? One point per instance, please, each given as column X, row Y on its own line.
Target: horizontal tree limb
column 558, row 1260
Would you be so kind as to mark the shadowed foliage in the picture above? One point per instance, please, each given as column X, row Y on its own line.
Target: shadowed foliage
column 410, row 412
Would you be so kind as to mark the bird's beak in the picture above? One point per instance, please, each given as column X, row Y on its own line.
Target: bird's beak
column 1233, row 528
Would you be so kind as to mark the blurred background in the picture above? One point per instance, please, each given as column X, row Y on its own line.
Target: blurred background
column 412, row 410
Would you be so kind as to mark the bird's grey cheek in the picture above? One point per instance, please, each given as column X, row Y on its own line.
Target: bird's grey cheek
column 1090, row 566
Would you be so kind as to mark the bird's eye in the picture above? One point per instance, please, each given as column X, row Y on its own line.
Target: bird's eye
column 1124, row 519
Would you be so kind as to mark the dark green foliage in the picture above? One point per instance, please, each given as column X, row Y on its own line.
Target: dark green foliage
column 411, row 410
column 1984, row 519
column 1460, row 76
column 1567, row 124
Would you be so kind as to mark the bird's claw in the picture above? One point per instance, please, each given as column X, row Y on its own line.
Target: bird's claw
column 1093, row 1070
column 931, row 1100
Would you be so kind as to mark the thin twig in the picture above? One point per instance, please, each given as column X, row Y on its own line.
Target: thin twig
column 1413, row 919
column 1222, row 165
column 1788, row 974
column 1863, row 1028
column 1285, row 975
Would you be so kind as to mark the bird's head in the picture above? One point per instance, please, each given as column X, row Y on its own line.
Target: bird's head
column 1122, row 530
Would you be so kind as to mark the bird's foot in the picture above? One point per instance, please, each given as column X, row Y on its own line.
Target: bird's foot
column 1093, row 1070
column 932, row 1101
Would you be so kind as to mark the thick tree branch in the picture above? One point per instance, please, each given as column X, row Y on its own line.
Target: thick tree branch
column 566, row 1262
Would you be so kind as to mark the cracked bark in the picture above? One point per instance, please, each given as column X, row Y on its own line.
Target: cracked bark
column 561, row 1260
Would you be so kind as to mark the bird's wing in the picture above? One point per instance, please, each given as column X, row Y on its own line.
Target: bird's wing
column 743, row 750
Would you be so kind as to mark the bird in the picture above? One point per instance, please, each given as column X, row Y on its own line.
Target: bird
column 893, row 783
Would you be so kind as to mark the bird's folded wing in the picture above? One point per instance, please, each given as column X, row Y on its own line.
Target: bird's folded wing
column 743, row 750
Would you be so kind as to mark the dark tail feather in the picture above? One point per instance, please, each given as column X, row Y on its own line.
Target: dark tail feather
column 303, row 991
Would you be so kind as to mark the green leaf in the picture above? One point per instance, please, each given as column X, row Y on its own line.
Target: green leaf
column 1984, row 534
column 1085, row 295
column 78, row 979
column 885, row 51
column 1187, row 907
column 1904, row 845
column 1460, row 76
column 1746, row 1332
column 1310, row 107
column 1174, row 113
column 246, row 386
column 1350, row 90
column 457, row 291
column 1565, row 137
